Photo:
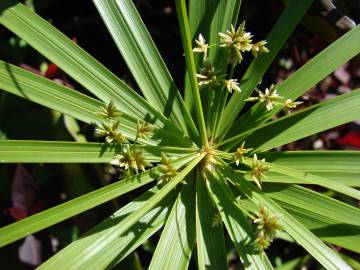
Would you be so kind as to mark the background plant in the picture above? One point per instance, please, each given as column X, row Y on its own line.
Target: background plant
column 205, row 142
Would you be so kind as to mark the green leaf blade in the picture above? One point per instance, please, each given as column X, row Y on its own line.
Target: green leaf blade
column 75, row 61
column 13, row 151
column 342, row 166
column 322, row 65
column 276, row 39
column 327, row 257
column 142, row 57
column 209, row 238
column 190, row 63
column 174, row 248
column 39, row 221
column 323, row 116
column 237, row 226
column 74, row 257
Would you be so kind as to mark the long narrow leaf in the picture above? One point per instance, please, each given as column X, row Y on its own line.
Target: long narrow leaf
column 277, row 37
column 73, row 255
column 33, row 87
column 142, row 57
column 105, row 240
column 178, row 237
column 190, row 63
column 78, row 205
column 236, row 224
column 327, row 257
column 12, row 151
column 329, row 219
column 209, row 234
column 342, row 166
column 323, row 64
column 74, row 61
column 312, row 179
column 60, row 98
column 342, row 109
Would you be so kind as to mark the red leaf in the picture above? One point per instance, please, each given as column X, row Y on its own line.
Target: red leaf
column 352, row 138
column 52, row 71
column 23, row 190
column 17, row 213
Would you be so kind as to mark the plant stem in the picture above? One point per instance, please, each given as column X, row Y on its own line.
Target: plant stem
column 189, row 57
column 223, row 98
column 208, row 100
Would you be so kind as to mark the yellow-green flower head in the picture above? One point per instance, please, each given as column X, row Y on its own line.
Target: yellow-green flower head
column 110, row 111
column 232, row 85
column 267, row 227
column 259, row 47
column 201, row 46
column 216, row 220
column 258, row 170
column 111, row 133
column 236, row 41
column 208, row 75
column 167, row 170
column 144, row 130
column 270, row 97
column 131, row 159
column 239, row 153
column 290, row 104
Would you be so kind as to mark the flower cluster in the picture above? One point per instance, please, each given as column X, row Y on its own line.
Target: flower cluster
column 232, row 85
column 267, row 226
column 236, row 42
column 110, row 127
column 202, row 46
column 239, row 153
column 144, row 130
column 131, row 158
column 167, row 170
column 111, row 133
column 271, row 98
column 208, row 75
column 110, row 111
column 258, row 170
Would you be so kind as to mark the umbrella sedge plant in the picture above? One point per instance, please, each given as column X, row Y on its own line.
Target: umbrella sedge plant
column 210, row 159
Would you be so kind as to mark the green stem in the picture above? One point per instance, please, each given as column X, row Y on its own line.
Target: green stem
column 207, row 100
column 189, row 57
column 223, row 98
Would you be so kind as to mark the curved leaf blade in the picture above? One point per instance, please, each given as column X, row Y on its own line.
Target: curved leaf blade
column 236, row 224
column 287, row 22
column 75, row 61
column 342, row 166
column 105, row 241
column 329, row 219
column 142, row 57
column 323, row 64
column 38, row 89
column 325, row 115
column 209, row 237
column 44, row 219
column 13, row 151
column 174, row 248
column 74, row 257
column 327, row 257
